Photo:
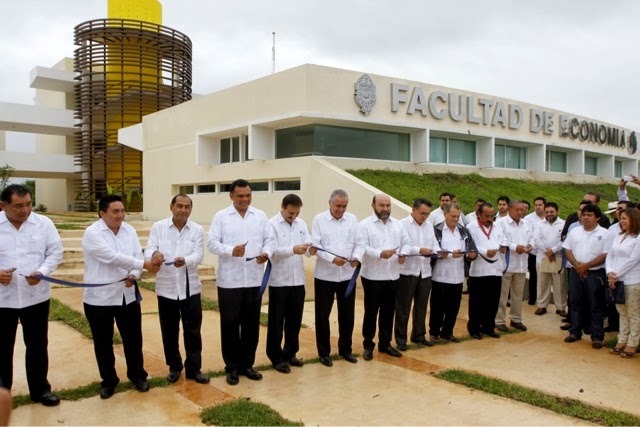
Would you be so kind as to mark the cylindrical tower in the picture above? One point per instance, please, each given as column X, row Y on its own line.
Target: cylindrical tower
column 125, row 69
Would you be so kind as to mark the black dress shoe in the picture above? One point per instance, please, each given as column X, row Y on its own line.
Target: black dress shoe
column 492, row 335
column 424, row 342
column 173, row 376
column 451, row 338
column 282, row 367
column 518, row 325
column 326, row 361
column 566, row 326
column 390, row 351
column 106, row 392
column 402, row 347
column 200, row 378
column 476, row 336
column 502, row 328
column 142, row 386
column 48, row 399
column 572, row 338
column 350, row 358
column 252, row 374
column 294, row 361
column 367, row 355
column 232, row 378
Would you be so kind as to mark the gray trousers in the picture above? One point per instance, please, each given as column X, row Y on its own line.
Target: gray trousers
column 411, row 289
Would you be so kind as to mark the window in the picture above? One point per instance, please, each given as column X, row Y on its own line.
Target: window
column 185, row 189
column 225, row 150
column 591, row 165
column 556, row 161
column 452, row 151
column 322, row 140
column 462, row 152
column 207, row 188
column 225, row 188
column 510, row 157
column 246, row 148
column 617, row 169
column 260, row 186
column 286, row 185
column 230, row 150
column 438, row 150
column 235, row 152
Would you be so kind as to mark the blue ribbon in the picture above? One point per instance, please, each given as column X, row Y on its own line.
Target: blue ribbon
column 265, row 278
column 352, row 282
column 85, row 285
column 507, row 257
column 331, row 253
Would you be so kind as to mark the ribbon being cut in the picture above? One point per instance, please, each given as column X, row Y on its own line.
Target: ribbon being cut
column 267, row 274
column 85, row 285
column 356, row 272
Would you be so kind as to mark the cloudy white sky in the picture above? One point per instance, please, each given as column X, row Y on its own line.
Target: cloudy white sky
column 578, row 56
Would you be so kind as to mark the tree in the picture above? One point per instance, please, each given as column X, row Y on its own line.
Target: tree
column 31, row 185
column 6, row 172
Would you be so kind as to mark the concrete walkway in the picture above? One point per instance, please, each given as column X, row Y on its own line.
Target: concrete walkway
column 385, row 391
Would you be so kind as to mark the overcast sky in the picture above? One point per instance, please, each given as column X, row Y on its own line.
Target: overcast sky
column 578, row 56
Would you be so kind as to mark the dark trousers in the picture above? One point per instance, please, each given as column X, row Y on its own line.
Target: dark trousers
column 588, row 294
column 379, row 307
column 412, row 289
column 239, row 326
column 190, row 312
column 533, row 279
column 325, row 293
column 484, row 299
column 35, row 322
column 128, row 317
column 613, row 318
column 445, row 305
column 286, row 305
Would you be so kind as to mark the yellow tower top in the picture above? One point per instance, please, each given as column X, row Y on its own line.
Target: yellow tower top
column 140, row 10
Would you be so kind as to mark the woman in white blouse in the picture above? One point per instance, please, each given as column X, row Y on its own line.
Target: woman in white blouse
column 623, row 265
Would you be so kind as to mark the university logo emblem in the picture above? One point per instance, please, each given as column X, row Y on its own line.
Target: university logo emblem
column 632, row 146
column 365, row 94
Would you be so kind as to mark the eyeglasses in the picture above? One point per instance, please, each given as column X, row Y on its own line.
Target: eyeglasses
column 620, row 209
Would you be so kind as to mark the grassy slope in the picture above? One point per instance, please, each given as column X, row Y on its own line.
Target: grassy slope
column 407, row 186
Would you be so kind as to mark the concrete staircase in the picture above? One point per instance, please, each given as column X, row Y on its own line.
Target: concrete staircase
column 72, row 266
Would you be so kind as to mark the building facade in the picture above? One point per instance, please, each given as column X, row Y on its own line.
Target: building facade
column 298, row 130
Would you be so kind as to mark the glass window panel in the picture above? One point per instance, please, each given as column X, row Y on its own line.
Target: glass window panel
column 342, row 142
column 185, row 189
column 591, row 165
column 287, row 185
column 207, row 188
column 236, row 149
column 225, row 188
column 295, row 142
column 260, row 186
column 246, row 148
column 438, row 150
column 499, row 156
column 556, row 161
column 225, row 150
column 462, row 152
column 617, row 169
column 515, row 157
